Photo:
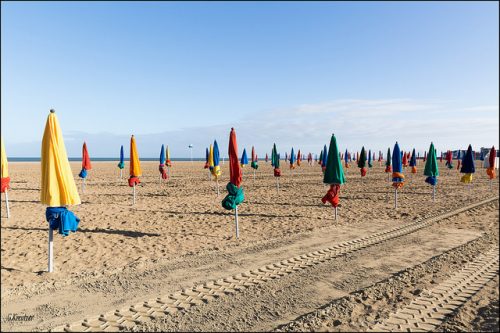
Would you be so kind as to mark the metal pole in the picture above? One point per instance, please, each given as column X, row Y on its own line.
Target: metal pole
column 217, row 181
column 254, row 175
column 236, row 220
column 278, row 185
column 121, row 173
column 168, row 172
column 433, row 192
column 51, row 250
column 83, row 186
column 396, row 198
column 133, row 202
column 7, row 202
column 335, row 213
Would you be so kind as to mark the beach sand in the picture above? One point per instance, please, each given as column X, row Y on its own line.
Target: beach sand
column 177, row 235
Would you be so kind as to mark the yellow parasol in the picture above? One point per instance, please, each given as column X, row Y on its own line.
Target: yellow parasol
column 135, row 166
column 211, row 158
column 5, row 181
column 4, row 165
column 58, row 186
column 168, row 161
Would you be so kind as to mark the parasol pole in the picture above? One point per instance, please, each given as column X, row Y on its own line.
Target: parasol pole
column 433, row 192
column 236, row 221
column 168, row 172
column 254, row 176
column 133, row 190
column 51, row 250
column 83, row 185
column 217, row 181
column 278, row 185
column 121, row 173
column 335, row 213
column 7, row 202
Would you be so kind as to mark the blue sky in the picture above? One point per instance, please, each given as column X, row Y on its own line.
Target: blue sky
column 290, row 73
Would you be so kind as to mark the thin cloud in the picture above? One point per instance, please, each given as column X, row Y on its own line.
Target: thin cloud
column 373, row 123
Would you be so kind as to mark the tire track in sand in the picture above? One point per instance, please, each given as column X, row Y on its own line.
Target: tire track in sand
column 428, row 311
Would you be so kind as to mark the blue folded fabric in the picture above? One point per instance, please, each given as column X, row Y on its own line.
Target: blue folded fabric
column 431, row 180
column 62, row 219
column 83, row 173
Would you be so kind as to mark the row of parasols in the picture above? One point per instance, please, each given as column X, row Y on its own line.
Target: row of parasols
column 58, row 189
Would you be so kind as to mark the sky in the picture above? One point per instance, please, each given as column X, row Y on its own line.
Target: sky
column 178, row 73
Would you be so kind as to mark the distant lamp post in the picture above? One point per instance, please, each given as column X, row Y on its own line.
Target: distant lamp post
column 191, row 151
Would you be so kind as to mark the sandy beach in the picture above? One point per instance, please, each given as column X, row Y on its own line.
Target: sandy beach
column 177, row 237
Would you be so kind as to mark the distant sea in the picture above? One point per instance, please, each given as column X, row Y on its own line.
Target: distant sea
column 99, row 159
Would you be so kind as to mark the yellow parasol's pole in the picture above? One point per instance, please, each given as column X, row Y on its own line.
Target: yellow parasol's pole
column 133, row 190
column 7, row 203
column 51, row 250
